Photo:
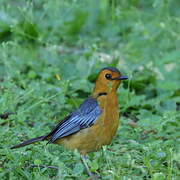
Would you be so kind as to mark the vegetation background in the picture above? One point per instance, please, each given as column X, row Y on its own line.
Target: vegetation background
column 50, row 54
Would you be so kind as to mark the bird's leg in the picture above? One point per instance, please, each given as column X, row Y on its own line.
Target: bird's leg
column 83, row 158
column 92, row 175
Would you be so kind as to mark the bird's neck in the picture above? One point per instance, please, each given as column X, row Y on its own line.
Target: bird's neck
column 101, row 89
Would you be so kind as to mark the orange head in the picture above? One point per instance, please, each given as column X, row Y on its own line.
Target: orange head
column 108, row 81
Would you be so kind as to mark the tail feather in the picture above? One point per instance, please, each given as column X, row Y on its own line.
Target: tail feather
column 31, row 141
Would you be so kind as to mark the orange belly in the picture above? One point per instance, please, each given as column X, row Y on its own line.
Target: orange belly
column 86, row 140
column 101, row 133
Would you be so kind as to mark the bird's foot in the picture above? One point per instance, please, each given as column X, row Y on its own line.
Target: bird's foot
column 92, row 176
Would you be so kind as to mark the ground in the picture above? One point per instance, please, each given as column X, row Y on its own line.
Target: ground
column 50, row 54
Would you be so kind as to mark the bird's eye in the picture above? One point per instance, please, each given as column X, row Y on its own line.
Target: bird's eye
column 108, row 76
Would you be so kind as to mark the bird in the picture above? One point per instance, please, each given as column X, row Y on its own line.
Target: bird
column 94, row 123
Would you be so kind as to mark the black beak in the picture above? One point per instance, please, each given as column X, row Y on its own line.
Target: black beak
column 120, row 78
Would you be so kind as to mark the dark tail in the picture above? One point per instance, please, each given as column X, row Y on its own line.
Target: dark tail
column 31, row 141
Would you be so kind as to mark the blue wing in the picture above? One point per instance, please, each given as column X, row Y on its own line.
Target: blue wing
column 85, row 116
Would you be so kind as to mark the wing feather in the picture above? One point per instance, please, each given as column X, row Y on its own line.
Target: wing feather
column 84, row 117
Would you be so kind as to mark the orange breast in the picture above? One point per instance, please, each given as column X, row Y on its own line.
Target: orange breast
column 111, row 118
column 101, row 133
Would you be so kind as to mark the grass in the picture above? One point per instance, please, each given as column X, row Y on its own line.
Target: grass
column 51, row 52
